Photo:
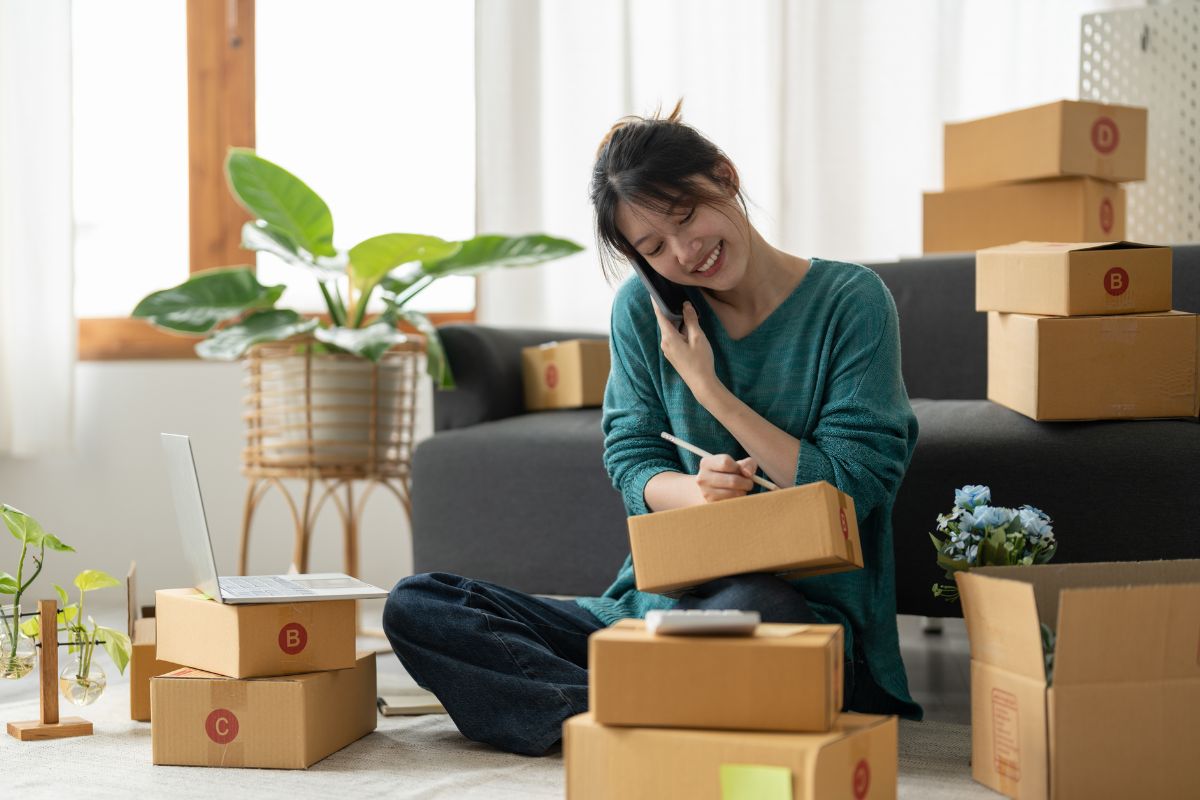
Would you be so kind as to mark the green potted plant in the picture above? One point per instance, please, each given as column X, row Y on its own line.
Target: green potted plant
column 82, row 681
column 234, row 311
column 16, row 650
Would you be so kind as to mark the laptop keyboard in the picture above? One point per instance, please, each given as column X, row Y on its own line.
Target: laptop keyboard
column 265, row 586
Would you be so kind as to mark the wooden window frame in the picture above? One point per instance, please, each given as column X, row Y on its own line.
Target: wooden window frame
column 220, row 59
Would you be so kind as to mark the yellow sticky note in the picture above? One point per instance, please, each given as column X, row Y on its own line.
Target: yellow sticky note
column 755, row 782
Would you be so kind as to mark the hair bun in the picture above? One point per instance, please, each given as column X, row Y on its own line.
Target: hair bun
column 674, row 118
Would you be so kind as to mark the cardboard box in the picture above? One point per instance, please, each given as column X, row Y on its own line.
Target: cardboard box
column 1135, row 366
column 568, row 374
column 857, row 760
column 783, row 678
column 143, row 663
column 795, row 532
column 1073, row 279
column 207, row 720
column 254, row 640
column 1121, row 715
column 1060, row 210
column 1068, row 137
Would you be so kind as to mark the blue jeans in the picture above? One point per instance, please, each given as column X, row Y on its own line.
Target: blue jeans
column 510, row 667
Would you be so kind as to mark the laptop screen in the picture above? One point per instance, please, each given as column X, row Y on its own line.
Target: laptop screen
column 189, row 512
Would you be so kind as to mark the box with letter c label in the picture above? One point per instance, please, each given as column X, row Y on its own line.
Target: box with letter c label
column 286, row 722
column 254, row 640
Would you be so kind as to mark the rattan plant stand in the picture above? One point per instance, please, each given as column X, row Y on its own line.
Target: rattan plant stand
column 327, row 421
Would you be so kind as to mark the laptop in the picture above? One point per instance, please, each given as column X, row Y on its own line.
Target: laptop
column 197, row 546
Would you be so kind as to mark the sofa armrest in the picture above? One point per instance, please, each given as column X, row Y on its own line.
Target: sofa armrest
column 486, row 363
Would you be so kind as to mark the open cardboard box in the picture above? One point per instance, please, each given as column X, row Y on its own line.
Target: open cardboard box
column 780, row 678
column 143, row 662
column 856, row 760
column 1073, row 279
column 795, row 532
column 1120, row 714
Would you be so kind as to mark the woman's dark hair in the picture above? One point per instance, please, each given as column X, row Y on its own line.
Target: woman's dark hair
column 655, row 163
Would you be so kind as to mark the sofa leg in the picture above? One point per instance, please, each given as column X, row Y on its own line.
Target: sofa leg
column 932, row 626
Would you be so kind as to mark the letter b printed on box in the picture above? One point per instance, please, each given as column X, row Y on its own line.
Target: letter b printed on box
column 293, row 638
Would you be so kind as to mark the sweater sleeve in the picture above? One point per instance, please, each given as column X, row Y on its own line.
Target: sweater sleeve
column 866, row 430
column 634, row 416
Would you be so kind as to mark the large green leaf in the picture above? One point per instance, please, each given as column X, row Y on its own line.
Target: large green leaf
column 372, row 259
column 370, row 342
column 263, row 238
column 8, row 584
column 492, row 250
column 436, row 363
column 26, row 529
column 278, row 197
column 91, row 579
column 207, row 298
column 264, row 326
column 117, row 645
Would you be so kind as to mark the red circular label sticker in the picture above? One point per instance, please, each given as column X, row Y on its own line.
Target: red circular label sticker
column 845, row 524
column 1116, row 281
column 292, row 638
column 862, row 779
column 1105, row 136
column 551, row 375
column 1106, row 215
column 221, row 726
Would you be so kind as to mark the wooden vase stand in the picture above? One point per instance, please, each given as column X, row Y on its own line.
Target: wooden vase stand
column 50, row 726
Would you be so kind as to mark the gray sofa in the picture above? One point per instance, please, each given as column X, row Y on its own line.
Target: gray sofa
column 523, row 500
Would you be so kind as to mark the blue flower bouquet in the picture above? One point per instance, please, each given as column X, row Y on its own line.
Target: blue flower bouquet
column 978, row 534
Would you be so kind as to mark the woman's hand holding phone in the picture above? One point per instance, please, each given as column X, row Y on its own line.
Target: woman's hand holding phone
column 722, row 478
column 689, row 352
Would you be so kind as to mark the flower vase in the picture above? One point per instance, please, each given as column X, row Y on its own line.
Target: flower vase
column 16, row 649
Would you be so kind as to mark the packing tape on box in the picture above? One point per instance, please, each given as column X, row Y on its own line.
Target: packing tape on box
column 223, row 724
column 1121, row 331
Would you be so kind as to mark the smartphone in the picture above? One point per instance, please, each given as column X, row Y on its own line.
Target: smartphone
column 668, row 296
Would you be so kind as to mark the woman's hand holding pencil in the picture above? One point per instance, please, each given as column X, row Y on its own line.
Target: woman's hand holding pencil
column 720, row 476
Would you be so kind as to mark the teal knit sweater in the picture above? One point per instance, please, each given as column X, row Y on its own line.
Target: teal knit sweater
column 824, row 366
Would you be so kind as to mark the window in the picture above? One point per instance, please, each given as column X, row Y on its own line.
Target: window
column 369, row 101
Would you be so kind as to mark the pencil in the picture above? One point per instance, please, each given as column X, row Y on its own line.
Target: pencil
column 763, row 482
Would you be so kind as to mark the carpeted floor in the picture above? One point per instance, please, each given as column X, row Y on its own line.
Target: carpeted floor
column 407, row 757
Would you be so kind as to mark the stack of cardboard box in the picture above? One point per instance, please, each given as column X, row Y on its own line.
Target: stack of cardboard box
column 735, row 716
column 1047, row 173
column 263, row 685
column 724, row 717
column 1085, row 331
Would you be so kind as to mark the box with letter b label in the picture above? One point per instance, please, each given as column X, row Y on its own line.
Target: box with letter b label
column 856, row 760
column 794, row 532
column 1113, row 709
column 255, row 640
column 287, row 722
column 1073, row 279
column 569, row 374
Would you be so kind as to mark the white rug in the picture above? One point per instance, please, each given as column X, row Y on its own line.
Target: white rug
column 407, row 757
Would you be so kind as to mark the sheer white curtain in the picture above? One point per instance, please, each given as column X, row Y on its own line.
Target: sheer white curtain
column 37, row 326
column 831, row 110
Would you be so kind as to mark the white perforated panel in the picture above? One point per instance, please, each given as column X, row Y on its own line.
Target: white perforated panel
column 1149, row 57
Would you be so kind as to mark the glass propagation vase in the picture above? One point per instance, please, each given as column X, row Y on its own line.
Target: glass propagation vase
column 17, row 651
column 79, row 686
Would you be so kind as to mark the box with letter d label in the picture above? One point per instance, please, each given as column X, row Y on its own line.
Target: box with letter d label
column 257, row 640
column 286, row 722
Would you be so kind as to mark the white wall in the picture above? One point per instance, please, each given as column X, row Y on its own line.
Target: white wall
column 110, row 499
